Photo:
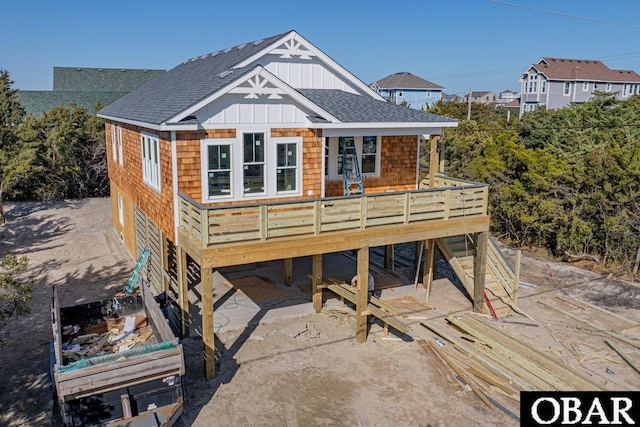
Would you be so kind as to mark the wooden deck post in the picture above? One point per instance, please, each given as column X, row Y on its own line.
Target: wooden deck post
column 208, row 333
column 429, row 265
column 389, row 257
column 183, row 290
column 434, row 159
column 288, row 271
column 479, row 270
column 362, row 292
column 316, row 280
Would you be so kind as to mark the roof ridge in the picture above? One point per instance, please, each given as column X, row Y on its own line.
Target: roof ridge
column 236, row 47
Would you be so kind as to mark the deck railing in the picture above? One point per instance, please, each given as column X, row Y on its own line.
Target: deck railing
column 261, row 222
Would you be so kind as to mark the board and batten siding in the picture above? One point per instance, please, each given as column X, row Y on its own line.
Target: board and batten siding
column 234, row 109
column 310, row 74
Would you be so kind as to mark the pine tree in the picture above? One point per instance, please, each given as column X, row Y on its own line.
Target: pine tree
column 11, row 115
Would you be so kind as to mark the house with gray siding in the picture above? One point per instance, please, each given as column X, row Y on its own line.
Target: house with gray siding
column 557, row 82
column 405, row 87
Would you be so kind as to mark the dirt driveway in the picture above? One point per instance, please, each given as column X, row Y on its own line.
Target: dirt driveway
column 307, row 370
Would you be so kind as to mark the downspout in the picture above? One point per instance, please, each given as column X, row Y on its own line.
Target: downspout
column 174, row 180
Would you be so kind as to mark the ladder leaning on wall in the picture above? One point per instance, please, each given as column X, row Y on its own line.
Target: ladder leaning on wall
column 351, row 168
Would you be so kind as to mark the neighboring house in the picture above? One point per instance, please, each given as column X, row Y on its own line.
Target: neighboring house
column 446, row 98
column 405, row 87
column 85, row 87
column 481, row 97
column 234, row 157
column 558, row 82
column 507, row 96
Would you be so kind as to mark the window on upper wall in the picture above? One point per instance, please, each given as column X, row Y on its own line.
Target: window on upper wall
column 287, row 167
column 253, row 163
column 151, row 160
column 369, row 154
column 533, row 83
column 585, row 86
column 543, row 86
column 567, row 88
column 218, row 173
column 367, row 150
column 116, row 144
column 428, row 94
column 608, row 89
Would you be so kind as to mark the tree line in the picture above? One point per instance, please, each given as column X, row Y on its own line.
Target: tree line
column 567, row 180
column 59, row 155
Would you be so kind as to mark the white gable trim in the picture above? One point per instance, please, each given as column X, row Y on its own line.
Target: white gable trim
column 294, row 42
column 263, row 77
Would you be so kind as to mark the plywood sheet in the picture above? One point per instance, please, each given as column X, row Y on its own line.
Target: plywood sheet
column 407, row 304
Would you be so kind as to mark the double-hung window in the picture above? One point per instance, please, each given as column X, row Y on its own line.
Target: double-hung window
column 567, row 88
column 369, row 154
column 151, row 160
column 253, row 163
column 116, row 144
column 286, row 167
column 219, row 178
column 585, row 86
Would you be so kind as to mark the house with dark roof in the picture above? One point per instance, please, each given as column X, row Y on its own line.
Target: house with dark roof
column 248, row 154
column 85, row 87
column 481, row 97
column 409, row 89
column 557, row 82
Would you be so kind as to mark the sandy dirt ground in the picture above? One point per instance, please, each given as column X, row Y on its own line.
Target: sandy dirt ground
column 308, row 370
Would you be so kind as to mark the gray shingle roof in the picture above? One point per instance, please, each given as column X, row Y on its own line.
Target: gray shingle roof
column 184, row 85
column 406, row 80
column 198, row 78
column 349, row 107
column 101, row 79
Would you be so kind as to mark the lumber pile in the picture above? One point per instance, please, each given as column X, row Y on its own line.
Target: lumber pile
column 107, row 337
column 492, row 363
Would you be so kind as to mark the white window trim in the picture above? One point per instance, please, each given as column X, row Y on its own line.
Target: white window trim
column 204, row 144
column 608, row 87
column 333, row 156
column 150, row 171
column 543, row 86
column 241, row 134
column 119, row 143
column 237, row 167
column 114, row 146
column 566, row 92
column 272, row 172
column 585, row 86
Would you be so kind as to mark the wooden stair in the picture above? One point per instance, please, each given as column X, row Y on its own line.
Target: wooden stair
column 459, row 251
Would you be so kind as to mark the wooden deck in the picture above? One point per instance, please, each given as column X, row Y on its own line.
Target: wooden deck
column 336, row 223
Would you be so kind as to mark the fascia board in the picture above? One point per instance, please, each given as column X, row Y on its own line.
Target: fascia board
column 153, row 126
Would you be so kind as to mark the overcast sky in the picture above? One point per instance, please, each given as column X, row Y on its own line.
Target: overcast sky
column 458, row 44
